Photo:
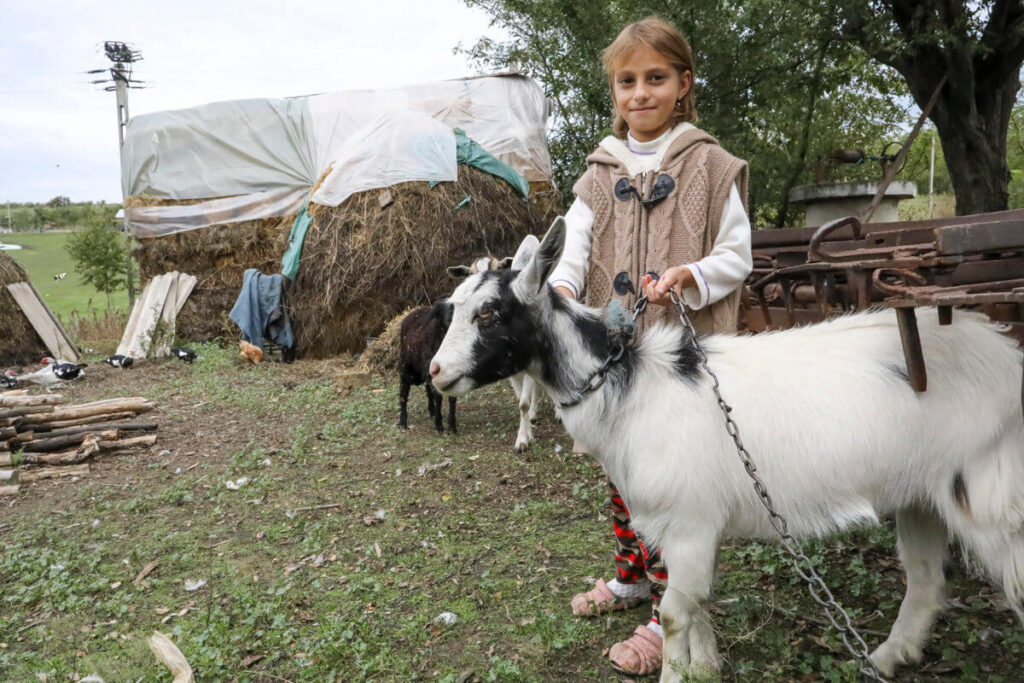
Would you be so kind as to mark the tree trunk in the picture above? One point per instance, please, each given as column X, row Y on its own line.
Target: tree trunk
column 974, row 143
column 925, row 41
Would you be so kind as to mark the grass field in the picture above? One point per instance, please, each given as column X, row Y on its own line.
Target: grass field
column 349, row 538
column 42, row 257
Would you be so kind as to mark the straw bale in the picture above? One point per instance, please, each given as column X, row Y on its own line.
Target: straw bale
column 19, row 343
column 218, row 256
column 381, row 358
column 363, row 264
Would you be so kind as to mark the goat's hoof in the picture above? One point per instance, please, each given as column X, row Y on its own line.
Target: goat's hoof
column 891, row 655
column 521, row 446
column 402, row 425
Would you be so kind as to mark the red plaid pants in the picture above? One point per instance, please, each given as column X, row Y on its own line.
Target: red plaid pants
column 633, row 560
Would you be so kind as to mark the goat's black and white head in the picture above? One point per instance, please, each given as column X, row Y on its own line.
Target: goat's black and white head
column 496, row 327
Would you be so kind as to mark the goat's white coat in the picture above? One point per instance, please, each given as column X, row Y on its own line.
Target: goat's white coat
column 839, row 438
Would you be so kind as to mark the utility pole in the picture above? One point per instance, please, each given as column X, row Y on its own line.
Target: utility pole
column 123, row 57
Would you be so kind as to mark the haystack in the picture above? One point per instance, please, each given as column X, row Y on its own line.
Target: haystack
column 381, row 357
column 19, row 343
column 217, row 256
column 382, row 251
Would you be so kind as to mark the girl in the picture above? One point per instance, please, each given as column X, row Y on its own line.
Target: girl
column 660, row 196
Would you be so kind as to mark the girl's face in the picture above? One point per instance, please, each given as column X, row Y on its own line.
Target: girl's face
column 645, row 88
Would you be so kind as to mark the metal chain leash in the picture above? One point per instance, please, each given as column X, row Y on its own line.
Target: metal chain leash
column 816, row 586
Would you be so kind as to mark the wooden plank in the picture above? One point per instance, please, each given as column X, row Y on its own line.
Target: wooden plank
column 161, row 346
column 152, row 309
column 37, row 313
column 186, row 283
column 133, row 320
column 979, row 237
column 71, row 351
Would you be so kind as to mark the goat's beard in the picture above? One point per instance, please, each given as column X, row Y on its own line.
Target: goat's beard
column 459, row 388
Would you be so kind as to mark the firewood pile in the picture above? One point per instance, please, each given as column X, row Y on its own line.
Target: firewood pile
column 42, row 438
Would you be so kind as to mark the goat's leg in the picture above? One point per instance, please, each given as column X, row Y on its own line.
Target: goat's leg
column 403, row 404
column 688, row 637
column 438, row 411
column 923, row 546
column 522, row 384
column 431, row 402
column 451, row 415
column 532, row 398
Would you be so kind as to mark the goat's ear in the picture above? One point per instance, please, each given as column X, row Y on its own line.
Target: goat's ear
column 532, row 278
column 456, row 272
column 505, row 263
column 525, row 252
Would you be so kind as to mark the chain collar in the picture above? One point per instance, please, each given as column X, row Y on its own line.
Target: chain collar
column 595, row 380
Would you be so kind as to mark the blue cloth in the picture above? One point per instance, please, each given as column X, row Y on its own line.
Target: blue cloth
column 259, row 309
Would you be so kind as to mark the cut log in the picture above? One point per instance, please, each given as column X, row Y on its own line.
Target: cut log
column 7, row 432
column 103, row 426
column 54, row 472
column 9, row 490
column 86, row 450
column 136, row 405
column 13, row 392
column 147, row 440
column 8, row 477
column 61, row 424
column 23, row 437
column 24, row 410
column 7, row 401
column 59, row 442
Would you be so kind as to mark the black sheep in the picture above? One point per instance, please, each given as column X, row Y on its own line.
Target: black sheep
column 420, row 336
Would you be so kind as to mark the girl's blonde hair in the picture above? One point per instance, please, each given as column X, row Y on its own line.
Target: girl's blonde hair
column 667, row 41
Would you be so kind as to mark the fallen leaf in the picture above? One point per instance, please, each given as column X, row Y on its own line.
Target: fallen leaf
column 162, row 610
column 146, row 571
column 250, row 660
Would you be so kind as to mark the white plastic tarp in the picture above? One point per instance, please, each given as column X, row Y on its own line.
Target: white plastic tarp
column 255, row 159
column 397, row 147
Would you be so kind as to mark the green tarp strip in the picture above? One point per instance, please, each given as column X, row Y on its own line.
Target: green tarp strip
column 471, row 154
column 290, row 260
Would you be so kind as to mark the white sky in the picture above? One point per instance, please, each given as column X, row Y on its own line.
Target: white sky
column 58, row 133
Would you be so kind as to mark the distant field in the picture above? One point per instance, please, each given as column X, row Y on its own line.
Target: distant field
column 43, row 256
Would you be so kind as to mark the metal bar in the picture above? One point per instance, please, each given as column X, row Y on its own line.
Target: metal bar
column 911, row 338
column 945, row 315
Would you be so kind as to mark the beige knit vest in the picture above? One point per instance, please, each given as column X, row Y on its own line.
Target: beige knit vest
column 680, row 229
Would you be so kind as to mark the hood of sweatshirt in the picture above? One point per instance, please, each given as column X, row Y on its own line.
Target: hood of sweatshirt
column 613, row 151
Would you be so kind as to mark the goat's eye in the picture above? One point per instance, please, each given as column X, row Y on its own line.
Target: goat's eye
column 484, row 317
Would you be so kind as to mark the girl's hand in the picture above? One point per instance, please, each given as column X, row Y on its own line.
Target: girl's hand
column 566, row 292
column 678, row 277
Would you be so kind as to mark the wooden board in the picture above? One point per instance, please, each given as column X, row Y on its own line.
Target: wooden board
column 186, row 283
column 157, row 307
column 42, row 320
column 133, row 320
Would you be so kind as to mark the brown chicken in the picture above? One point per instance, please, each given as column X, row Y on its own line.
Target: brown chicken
column 251, row 352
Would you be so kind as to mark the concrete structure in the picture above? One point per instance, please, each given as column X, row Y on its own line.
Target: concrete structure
column 828, row 201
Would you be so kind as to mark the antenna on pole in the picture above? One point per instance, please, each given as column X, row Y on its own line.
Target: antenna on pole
column 124, row 57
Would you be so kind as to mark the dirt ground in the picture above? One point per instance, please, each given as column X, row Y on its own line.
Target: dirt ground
column 336, row 557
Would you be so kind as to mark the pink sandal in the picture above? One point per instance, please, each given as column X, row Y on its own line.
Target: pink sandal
column 600, row 599
column 639, row 655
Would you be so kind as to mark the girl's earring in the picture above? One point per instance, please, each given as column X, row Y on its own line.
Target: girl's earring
column 679, row 103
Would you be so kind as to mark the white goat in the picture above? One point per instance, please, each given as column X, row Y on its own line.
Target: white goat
column 526, row 390
column 838, row 435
